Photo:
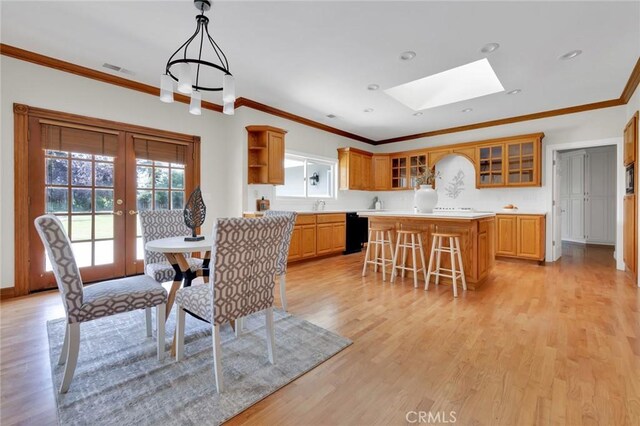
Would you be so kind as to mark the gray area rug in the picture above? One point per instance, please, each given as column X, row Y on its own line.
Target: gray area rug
column 118, row 379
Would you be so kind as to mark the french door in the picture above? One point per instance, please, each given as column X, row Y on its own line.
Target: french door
column 96, row 180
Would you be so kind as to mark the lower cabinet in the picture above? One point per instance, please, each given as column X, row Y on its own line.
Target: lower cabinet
column 520, row 236
column 317, row 235
column 629, row 232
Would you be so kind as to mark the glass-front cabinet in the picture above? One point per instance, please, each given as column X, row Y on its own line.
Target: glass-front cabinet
column 491, row 165
column 405, row 170
column 521, row 170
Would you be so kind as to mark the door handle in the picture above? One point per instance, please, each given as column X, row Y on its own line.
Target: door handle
column 118, row 213
column 132, row 212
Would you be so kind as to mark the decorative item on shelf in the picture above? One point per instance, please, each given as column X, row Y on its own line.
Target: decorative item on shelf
column 314, row 179
column 262, row 204
column 194, row 214
column 425, row 197
column 510, row 208
column 179, row 69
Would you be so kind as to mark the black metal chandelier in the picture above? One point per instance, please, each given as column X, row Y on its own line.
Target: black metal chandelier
column 185, row 69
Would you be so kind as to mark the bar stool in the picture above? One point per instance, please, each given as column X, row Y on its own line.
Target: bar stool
column 454, row 252
column 403, row 241
column 379, row 240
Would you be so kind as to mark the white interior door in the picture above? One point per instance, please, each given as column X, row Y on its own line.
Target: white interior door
column 572, row 195
column 557, row 208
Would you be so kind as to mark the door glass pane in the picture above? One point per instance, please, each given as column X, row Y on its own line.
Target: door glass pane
column 144, row 176
column 81, row 200
column 57, row 171
column 104, row 252
column 177, row 199
column 161, row 200
column 81, row 173
column 161, row 178
column 177, row 179
column 104, row 226
column 139, row 249
column 83, row 253
column 143, row 200
column 57, row 200
column 81, row 227
column 104, row 174
column 104, row 200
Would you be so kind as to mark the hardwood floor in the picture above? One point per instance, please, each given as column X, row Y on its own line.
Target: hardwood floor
column 555, row 344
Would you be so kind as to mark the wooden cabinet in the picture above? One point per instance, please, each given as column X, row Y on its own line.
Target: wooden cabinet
column 629, row 234
column 354, row 169
column 491, row 167
column 331, row 233
column 521, row 164
column 520, row 236
column 506, row 241
column 630, row 140
column 308, row 237
column 381, row 172
column 265, row 156
column 405, row 170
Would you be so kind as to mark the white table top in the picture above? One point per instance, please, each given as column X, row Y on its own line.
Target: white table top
column 179, row 245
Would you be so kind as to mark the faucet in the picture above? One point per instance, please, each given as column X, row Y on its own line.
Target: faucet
column 319, row 205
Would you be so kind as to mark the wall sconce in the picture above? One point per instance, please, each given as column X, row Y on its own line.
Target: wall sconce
column 314, row 179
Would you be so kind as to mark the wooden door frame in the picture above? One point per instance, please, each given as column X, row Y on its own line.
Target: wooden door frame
column 21, row 115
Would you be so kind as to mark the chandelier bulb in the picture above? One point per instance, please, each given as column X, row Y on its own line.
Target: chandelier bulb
column 195, row 104
column 228, row 108
column 184, row 78
column 228, row 89
column 166, row 88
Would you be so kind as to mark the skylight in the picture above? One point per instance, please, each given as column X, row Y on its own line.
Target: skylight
column 457, row 84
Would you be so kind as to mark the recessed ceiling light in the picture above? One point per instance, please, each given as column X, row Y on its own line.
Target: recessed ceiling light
column 490, row 47
column 118, row 69
column 571, row 55
column 417, row 114
column 467, row 110
column 408, row 55
column 514, row 92
column 331, row 115
column 373, row 86
column 446, row 87
column 368, row 110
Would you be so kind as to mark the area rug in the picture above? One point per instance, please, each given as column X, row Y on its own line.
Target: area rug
column 118, row 379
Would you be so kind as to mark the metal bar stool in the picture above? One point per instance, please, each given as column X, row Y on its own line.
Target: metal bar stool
column 380, row 239
column 402, row 241
column 455, row 255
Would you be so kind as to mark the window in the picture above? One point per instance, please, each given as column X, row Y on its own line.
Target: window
column 308, row 177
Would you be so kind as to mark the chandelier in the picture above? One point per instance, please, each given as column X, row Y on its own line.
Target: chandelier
column 185, row 66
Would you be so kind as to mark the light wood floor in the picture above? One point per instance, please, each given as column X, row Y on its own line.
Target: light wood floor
column 555, row 344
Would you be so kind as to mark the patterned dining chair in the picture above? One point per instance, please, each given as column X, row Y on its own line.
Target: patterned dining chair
column 244, row 262
column 283, row 256
column 97, row 300
column 157, row 224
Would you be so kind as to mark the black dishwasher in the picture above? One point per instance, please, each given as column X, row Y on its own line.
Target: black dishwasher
column 357, row 228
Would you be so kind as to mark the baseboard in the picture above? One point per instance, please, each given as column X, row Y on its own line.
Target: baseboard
column 6, row 293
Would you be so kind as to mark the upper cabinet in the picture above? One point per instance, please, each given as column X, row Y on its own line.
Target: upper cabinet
column 406, row 168
column 354, row 169
column 630, row 140
column 265, row 155
column 506, row 162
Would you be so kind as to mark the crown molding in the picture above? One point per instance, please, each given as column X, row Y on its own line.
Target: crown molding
column 47, row 61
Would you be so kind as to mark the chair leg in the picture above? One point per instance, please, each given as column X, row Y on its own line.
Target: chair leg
column 422, row 259
column 394, row 274
column 404, row 255
column 147, row 314
column 239, row 326
column 460, row 267
column 65, row 346
column 179, row 339
column 438, row 258
column 366, row 255
column 160, row 313
column 217, row 359
column 72, row 356
column 431, row 256
column 271, row 338
column 377, row 246
column 283, row 295
column 453, row 268
column 384, row 263
column 415, row 262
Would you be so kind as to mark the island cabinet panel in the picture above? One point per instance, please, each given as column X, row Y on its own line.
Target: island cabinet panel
column 476, row 242
column 629, row 232
column 506, row 235
column 521, row 236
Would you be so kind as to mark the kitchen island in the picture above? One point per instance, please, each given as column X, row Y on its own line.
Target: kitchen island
column 477, row 237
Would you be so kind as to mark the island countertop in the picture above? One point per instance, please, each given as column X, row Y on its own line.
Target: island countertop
column 436, row 215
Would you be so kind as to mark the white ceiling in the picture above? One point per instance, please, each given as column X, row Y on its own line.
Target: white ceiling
column 317, row 58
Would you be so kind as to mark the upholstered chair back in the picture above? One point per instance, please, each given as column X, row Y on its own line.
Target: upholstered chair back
column 58, row 248
column 244, row 258
column 286, row 241
column 157, row 224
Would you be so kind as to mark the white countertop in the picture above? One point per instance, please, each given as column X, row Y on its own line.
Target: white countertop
column 302, row 211
column 523, row 212
column 437, row 215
